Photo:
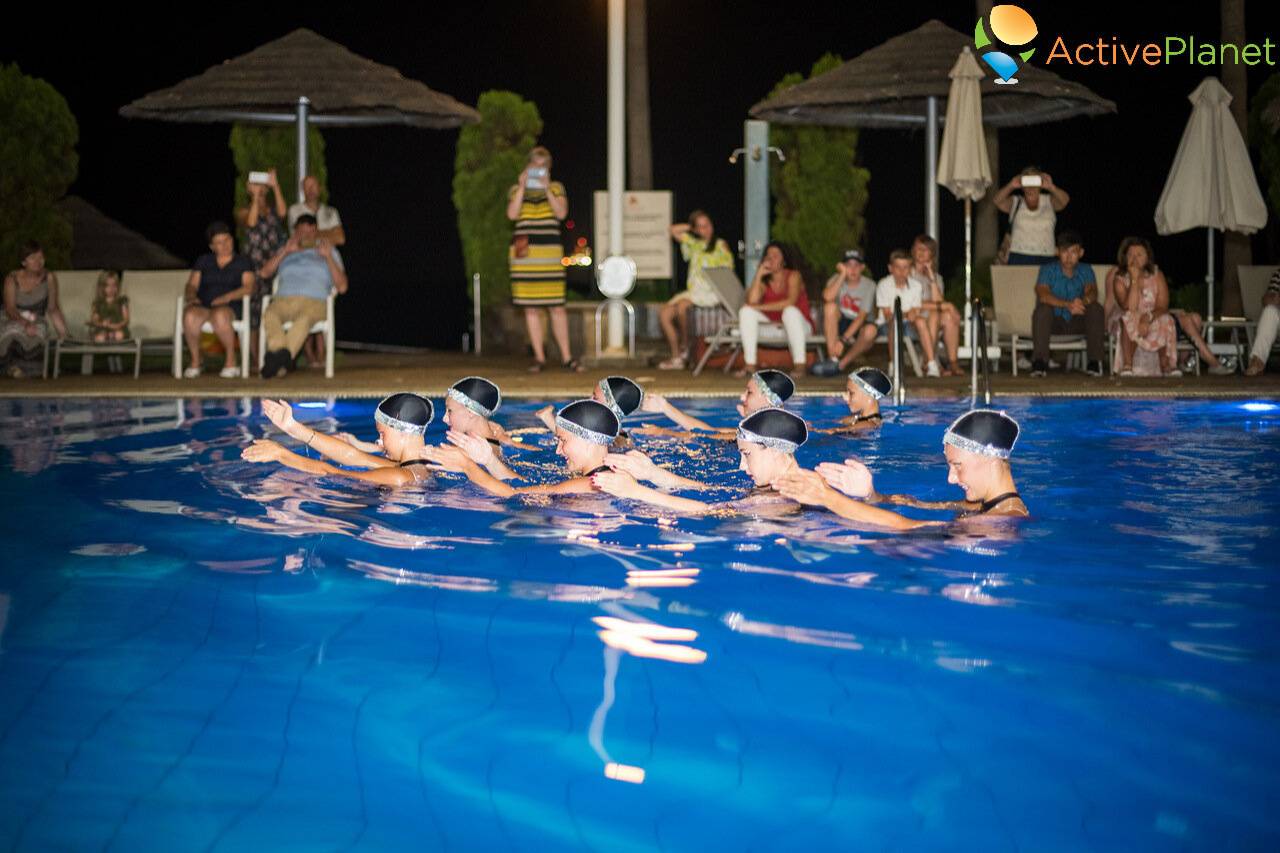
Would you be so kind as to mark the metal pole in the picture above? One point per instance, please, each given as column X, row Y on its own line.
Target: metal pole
column 755, row 195
column 304, row 105
column 475, row 303
column 617, row 149
column 931, row 167
column 968, row 272
column 971, row 328
column 1208, row 279
column 899, row 391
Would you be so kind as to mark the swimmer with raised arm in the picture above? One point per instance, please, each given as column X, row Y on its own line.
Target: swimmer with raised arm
column 766, row 389
column 477, row 396
column 977, row 448
column 401, row 420
column 624, row 396
column 584, row 432
column 767, row 442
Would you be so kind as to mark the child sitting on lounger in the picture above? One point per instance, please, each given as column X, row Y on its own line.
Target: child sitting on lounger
column 109, row 319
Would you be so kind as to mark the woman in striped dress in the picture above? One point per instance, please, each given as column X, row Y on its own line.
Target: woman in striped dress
column 537, row 204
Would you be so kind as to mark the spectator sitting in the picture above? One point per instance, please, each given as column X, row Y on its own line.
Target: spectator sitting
column 940, row 314
column 309, row 267
column 899, row 284
column 776, row 296
column 109, row 317
column 327, row 221
column 218, row 281
column 1067, row 304
column 1031, row 222
column 1268, row 323
column 30, row 296
column 848, row 314
column 1146, row 321
column 702, row 249
column 263, row 222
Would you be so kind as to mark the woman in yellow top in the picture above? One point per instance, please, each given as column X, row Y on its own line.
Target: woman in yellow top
column 702, row 249
column 537, row 205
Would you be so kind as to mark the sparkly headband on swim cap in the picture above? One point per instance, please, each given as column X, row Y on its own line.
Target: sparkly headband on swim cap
column 985, row 432
column 775, row 428
column 621, row 394
column 476, row 394
column 589, row 421
column 407, row 413
column 776, row 386
column 873, row 382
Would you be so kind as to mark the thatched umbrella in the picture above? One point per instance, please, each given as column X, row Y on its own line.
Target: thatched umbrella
column 303, row 78
column 901, row 83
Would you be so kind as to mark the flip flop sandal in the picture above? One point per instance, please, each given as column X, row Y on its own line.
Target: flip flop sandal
column 537, row 366
column 574, row 366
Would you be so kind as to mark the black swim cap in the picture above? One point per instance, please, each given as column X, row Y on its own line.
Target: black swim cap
column 774, row 428
column 985, row 432
column 590, row 421
column 476, row 394
column 406, row 413
column 622, row 395
column 776, row 386
column 873, row 381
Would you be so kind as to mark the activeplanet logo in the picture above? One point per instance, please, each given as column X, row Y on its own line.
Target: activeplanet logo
column 1178, row 49
column 1001, row 39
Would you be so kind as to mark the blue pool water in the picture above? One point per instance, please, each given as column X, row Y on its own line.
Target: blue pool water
column 200, row 654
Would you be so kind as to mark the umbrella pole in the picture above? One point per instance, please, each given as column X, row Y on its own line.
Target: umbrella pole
column 1208, row 278
column 303, row 105
column 931, row 168
column 968, row 275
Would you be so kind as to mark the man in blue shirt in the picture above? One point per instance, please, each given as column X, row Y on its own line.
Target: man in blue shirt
column 1067, row 304
column 309, row 268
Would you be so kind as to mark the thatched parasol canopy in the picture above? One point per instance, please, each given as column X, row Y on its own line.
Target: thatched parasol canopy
column 99, row 242
column 265, row 84
column 889, row 85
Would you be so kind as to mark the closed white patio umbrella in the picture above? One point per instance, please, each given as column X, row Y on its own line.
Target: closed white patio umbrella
column 1212, row 183
column 963, row 167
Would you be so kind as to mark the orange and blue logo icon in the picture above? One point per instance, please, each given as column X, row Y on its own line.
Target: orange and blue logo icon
column 1001, row 38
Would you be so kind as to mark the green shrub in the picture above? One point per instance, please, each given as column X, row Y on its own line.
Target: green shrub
column 255, row 148
column 490, row 156
column 38, row 162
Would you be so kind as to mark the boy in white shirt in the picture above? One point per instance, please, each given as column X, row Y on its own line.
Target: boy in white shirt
column 899, row 284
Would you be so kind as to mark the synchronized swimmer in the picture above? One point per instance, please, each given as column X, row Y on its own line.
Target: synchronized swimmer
column 590, row 440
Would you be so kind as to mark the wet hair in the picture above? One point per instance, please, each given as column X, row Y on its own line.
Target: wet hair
column 1122, row 256
column 216, row 228
column 404, row 412
column 1068, row 238
column 776, row 386
column 899, row 255
column 873, row 382
column 28, row 249
column 622, row 395
column 777, row 429
column 305, row 219
column 985, row 432
column 590, row 421
column 476, row 394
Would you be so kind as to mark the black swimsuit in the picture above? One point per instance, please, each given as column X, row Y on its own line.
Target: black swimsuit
column 986, row 506
column 599, row 470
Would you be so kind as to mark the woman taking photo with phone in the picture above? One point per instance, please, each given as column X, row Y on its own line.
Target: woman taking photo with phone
column 537, row 205
column 1032, row 217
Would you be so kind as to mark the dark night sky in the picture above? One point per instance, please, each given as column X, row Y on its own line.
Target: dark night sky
column 709, row 62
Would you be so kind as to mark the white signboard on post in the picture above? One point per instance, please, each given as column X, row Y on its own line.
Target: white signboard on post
column 646, row 239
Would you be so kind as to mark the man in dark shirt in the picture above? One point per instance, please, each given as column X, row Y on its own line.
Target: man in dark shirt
column 1067, row 304
column 218, row 282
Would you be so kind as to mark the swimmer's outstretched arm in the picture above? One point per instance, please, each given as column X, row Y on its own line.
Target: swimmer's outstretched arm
column 622, row 485
column 717, row 433
column 641, row 467
column 809, row 488
column 660, row 405
column 454, row 459
column 482, row 453
column 280, row 413
column 854, row 479
column 265, row 450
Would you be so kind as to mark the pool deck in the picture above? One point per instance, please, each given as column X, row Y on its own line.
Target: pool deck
column 379, row 374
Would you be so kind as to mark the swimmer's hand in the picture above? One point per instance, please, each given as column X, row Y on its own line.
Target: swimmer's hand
column 477, row 449
column 655, row 404
column 263, row 450
column 374, row 447
column 617, row 483
column 805, row 487
column 449, row 458
column 639, row 466
column 547, row 414
column 279, row 413
column 853, row 478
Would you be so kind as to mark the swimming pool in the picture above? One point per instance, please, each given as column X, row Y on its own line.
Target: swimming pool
column 199, row 654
